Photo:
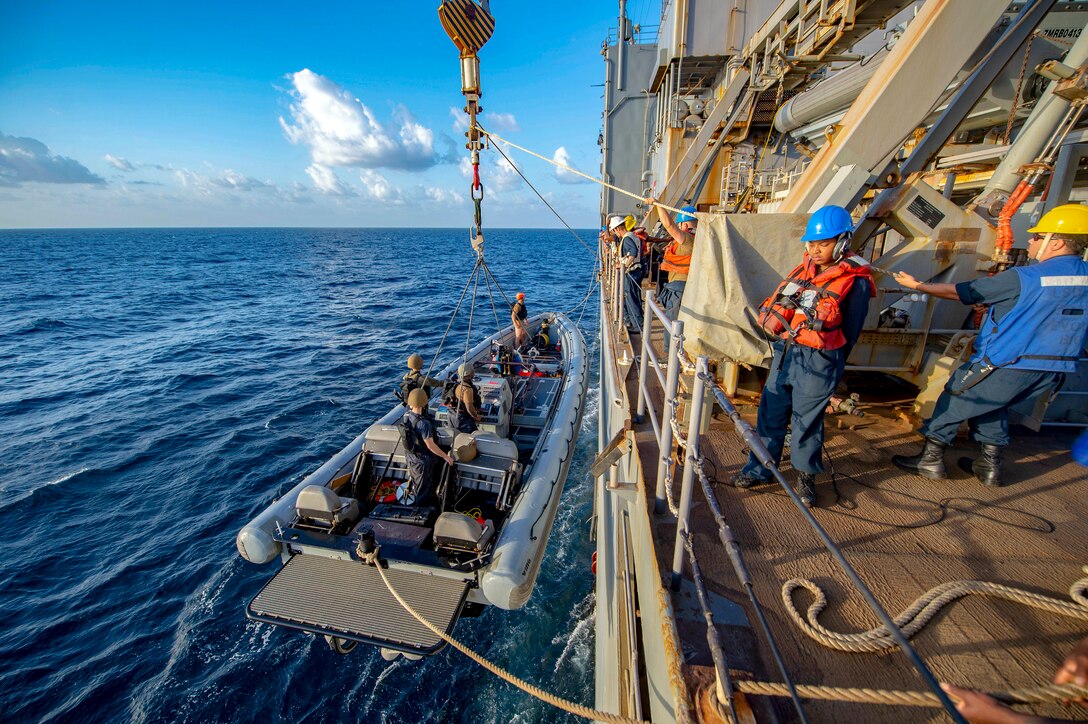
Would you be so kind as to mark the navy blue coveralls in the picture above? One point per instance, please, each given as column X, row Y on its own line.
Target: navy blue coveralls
column 420, row 460
column 1032, row 335
column 799, row 384
column 632, row 284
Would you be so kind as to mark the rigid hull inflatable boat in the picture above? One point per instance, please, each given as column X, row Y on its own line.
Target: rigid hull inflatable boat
column 479, row 541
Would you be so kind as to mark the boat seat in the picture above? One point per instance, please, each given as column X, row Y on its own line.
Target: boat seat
column 460, row 532
column 488, row 443
column 319, row 506
column 383, row 439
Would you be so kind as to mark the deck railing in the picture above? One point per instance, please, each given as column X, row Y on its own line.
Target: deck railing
column 668, row 376
column 693, row 465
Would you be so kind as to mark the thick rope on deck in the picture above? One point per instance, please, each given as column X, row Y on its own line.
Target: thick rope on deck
column 1038, row 695
column 924, row 608
column 531, row 689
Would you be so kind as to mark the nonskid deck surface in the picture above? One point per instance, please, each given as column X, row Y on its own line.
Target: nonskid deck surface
column 904, row 535
column 349, row 598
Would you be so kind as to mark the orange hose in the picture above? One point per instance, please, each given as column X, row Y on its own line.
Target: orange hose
column 1004, row 220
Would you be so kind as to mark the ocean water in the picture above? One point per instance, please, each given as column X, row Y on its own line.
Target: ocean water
column 159, row 387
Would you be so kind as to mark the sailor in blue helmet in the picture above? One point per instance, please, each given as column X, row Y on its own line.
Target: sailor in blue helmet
column 676, row 258
column 1032, row 336
column 815, row 316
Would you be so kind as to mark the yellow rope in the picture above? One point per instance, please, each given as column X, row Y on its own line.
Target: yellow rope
column 495, row 137
column 924, row 608
column 546, row 697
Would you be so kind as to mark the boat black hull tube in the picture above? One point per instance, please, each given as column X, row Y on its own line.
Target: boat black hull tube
column 479, row 542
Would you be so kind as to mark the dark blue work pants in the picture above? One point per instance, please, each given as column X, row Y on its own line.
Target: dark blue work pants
column 632, row 300
column 798, row 387
column 421, row 475
column 986, row 404
column 670, row 297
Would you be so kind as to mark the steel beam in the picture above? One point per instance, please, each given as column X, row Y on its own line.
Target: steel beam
column 897, row 98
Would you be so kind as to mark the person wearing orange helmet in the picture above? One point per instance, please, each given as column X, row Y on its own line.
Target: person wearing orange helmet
column 1032, row 336
column 518, row 315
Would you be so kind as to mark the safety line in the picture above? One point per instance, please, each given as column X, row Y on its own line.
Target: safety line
column 475, row 269
column 541, row 197
column 625, row 192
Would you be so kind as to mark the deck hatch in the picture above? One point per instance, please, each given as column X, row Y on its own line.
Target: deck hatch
column 348, row 599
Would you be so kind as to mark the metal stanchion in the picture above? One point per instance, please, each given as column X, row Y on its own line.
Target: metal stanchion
column 647, row 315
column 668, row 412
column 692, row 454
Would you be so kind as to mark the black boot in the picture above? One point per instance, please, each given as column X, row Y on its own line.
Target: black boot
column 929, row 463
column 806, row 489
column 986, row 467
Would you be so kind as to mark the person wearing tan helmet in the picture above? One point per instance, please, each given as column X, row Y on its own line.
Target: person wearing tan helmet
column 415, row 379
column 518, row 315
column 421, row 450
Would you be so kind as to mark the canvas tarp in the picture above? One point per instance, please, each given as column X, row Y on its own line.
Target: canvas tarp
column 738, row 261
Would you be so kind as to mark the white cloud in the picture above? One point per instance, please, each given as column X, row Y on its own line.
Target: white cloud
column 562, row 175
column 326, row 181
column 500, row 122
column 460, row 119
column 340, row 130
column 226, row 180
column 378, row 187
column 496, row 173
column 120, row 164
column 24, row 160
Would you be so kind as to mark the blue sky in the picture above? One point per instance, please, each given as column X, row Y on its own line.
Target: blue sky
column 291, row 114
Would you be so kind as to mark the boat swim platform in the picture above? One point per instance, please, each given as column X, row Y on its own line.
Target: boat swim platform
column 348, row 599
column 904, row 535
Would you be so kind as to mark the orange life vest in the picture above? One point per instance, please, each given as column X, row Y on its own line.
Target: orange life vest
column 673, row 262
column 810, row 315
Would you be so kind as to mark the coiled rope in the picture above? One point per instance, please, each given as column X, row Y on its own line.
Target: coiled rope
column 1036, row 695
column 531, row 689
column 918, row 614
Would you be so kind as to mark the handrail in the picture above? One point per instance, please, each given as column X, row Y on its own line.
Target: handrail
column 662, row 425
column 703, row 380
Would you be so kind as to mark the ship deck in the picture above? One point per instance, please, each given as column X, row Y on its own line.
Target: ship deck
column 904, row 535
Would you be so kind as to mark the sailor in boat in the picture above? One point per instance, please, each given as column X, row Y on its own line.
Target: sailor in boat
column 816, row 315
column 465, row 410
column 630, row 254
column 415, row 378
column 677, row 256
column 518, row 315
column 421, row 450
column 1032, row 336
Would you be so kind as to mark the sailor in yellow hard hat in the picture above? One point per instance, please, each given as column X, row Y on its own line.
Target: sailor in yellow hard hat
column 1033, row 335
